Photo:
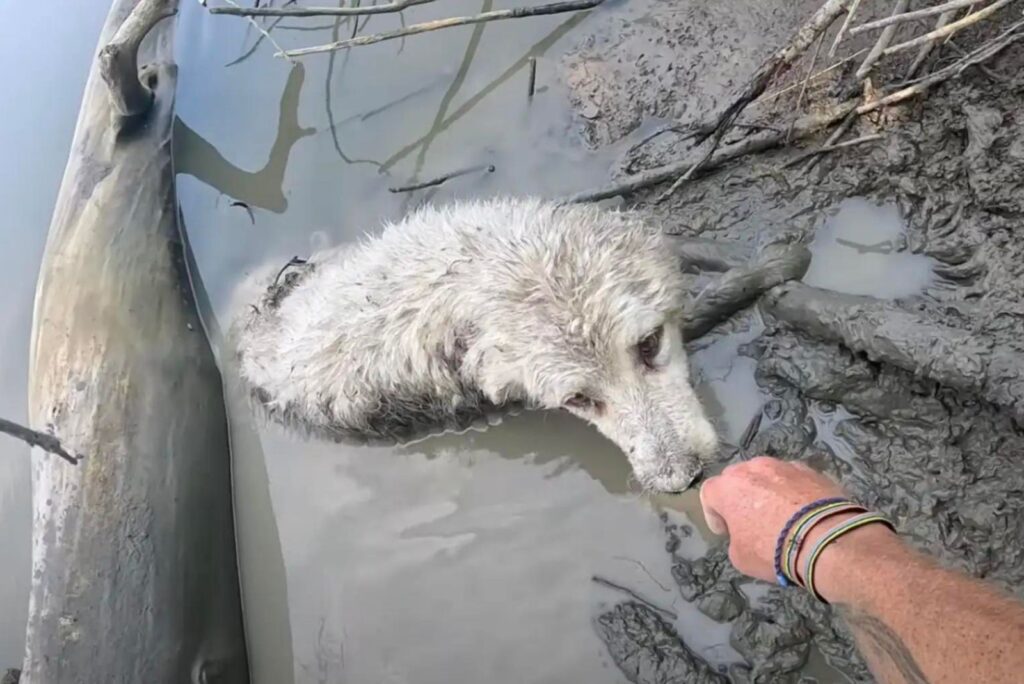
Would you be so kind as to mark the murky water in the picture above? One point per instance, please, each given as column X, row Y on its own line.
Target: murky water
column 37, row 118
column 463, row 557
column 861, row 249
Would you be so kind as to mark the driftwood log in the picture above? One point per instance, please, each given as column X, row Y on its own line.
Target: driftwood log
column 134, row 571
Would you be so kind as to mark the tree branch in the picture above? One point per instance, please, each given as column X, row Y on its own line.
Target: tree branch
column 34, row 438
column 911, row 16
column 316, row 11
column 118, row 60
column 950, row 29
column 497, row 15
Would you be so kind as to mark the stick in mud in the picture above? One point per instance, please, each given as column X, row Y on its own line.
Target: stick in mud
column 532, row 83
column 487, row 168
column 950, row 29
column 597, row 579
column 926, row 49
column 831, row 148
column 316, row 11
column 882, row 43
column 34, row 438
column 914, row 15
column 497, row 15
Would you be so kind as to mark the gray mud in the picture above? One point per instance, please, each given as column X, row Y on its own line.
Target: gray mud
column 911, row 397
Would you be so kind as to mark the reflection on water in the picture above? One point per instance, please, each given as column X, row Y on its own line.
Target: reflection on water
column 861, row 249
column 461, row 557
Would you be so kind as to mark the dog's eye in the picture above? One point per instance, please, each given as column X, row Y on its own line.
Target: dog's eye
column 579, row 401
column 647, row 348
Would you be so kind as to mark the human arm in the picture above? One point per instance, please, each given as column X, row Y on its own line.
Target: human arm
column 913, row 621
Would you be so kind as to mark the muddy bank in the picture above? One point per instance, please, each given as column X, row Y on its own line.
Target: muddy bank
column 913, row 403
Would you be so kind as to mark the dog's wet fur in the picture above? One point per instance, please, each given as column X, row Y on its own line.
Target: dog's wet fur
column 458, row 313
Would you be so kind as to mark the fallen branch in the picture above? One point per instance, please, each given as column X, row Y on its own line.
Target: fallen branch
column 531, row 84
column 926, row 49
column 754, row 144
column 762, row 78
column 950, row 29
column 119, row 59
column 911, row 16
column 832, row 139
column 315, row 11
column 264, row 32
column 497, row 15
column 954, row 70
column 34, row 438
column 882, row 43
column 597, row 579
column 830, row 148
column 776, row 93
column 488, row 168
column 843, row 28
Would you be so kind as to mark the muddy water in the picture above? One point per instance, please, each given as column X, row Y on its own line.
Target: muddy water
column 463, row 557
column 37, row 119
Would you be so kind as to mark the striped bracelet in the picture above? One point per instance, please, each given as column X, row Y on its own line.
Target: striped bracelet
column 803, row 528
column 812, row 507
column 836, row 532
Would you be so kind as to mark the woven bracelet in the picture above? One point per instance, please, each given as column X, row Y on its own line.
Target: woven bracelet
column 836, row 532
column 804, row 527
column 780, row 576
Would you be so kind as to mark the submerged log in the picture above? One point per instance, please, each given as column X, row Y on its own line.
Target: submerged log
column 134, row 570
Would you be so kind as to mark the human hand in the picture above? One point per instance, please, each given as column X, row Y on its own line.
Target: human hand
column 752, row 501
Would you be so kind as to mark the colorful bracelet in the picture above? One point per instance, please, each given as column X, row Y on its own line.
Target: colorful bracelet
column 836, row 532
column 804, row 527
column 780, row 576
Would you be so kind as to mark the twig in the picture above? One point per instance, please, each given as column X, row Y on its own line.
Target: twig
column 910, row 16
column 753, row 144
column 832, row 139
column 844, row 27
column 248, row 210
column 256, row 24
column 774, row 94
column 807, row 79
column 629, row 592
column 950, row 29
column 497, row 15
column 882, row 43
column 781, row 60
column 750, row 432
column 34, row 438
column 926, row 49
column 954, row 70
column 531, row 85
column 237, row 11
column 645, row 570
column 489, row 168
column 830, row 148
column 119, row 60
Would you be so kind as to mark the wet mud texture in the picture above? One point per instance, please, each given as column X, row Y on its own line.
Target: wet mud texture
column 914, row 405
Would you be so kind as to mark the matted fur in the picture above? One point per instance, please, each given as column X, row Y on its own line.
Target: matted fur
column 461, row 311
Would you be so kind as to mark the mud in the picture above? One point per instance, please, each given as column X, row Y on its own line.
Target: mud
column 913, row 400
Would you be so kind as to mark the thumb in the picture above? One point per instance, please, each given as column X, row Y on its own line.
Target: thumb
column 715, row 522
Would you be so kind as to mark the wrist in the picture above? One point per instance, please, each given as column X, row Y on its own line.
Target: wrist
column 849, row 568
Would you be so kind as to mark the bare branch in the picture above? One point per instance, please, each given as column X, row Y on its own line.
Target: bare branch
column 264, row 32
column 781, row 60
column 34, row 438
column 830, row 148
column 950, row 29
column 754, row 144
column 882, row 43
column 911, row 16
column 118, row 60
column 315, row 11
column 488, row 168
column 843, row 28
column 926, row 49
column 497, row 15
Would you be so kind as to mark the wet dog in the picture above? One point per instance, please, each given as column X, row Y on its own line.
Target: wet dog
column 460, row 312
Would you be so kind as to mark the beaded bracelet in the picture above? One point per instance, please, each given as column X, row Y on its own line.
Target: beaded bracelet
column 780, row 576
column 836, row 532
column 804, row 527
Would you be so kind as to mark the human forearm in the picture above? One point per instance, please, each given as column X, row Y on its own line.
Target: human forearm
column 916, row 622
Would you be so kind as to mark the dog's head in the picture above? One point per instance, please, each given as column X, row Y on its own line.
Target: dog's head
column 590, row 323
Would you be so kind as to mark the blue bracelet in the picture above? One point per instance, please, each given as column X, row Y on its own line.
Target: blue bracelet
column 779, row 575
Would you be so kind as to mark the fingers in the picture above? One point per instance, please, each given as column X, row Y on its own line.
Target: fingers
column 708, row 494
